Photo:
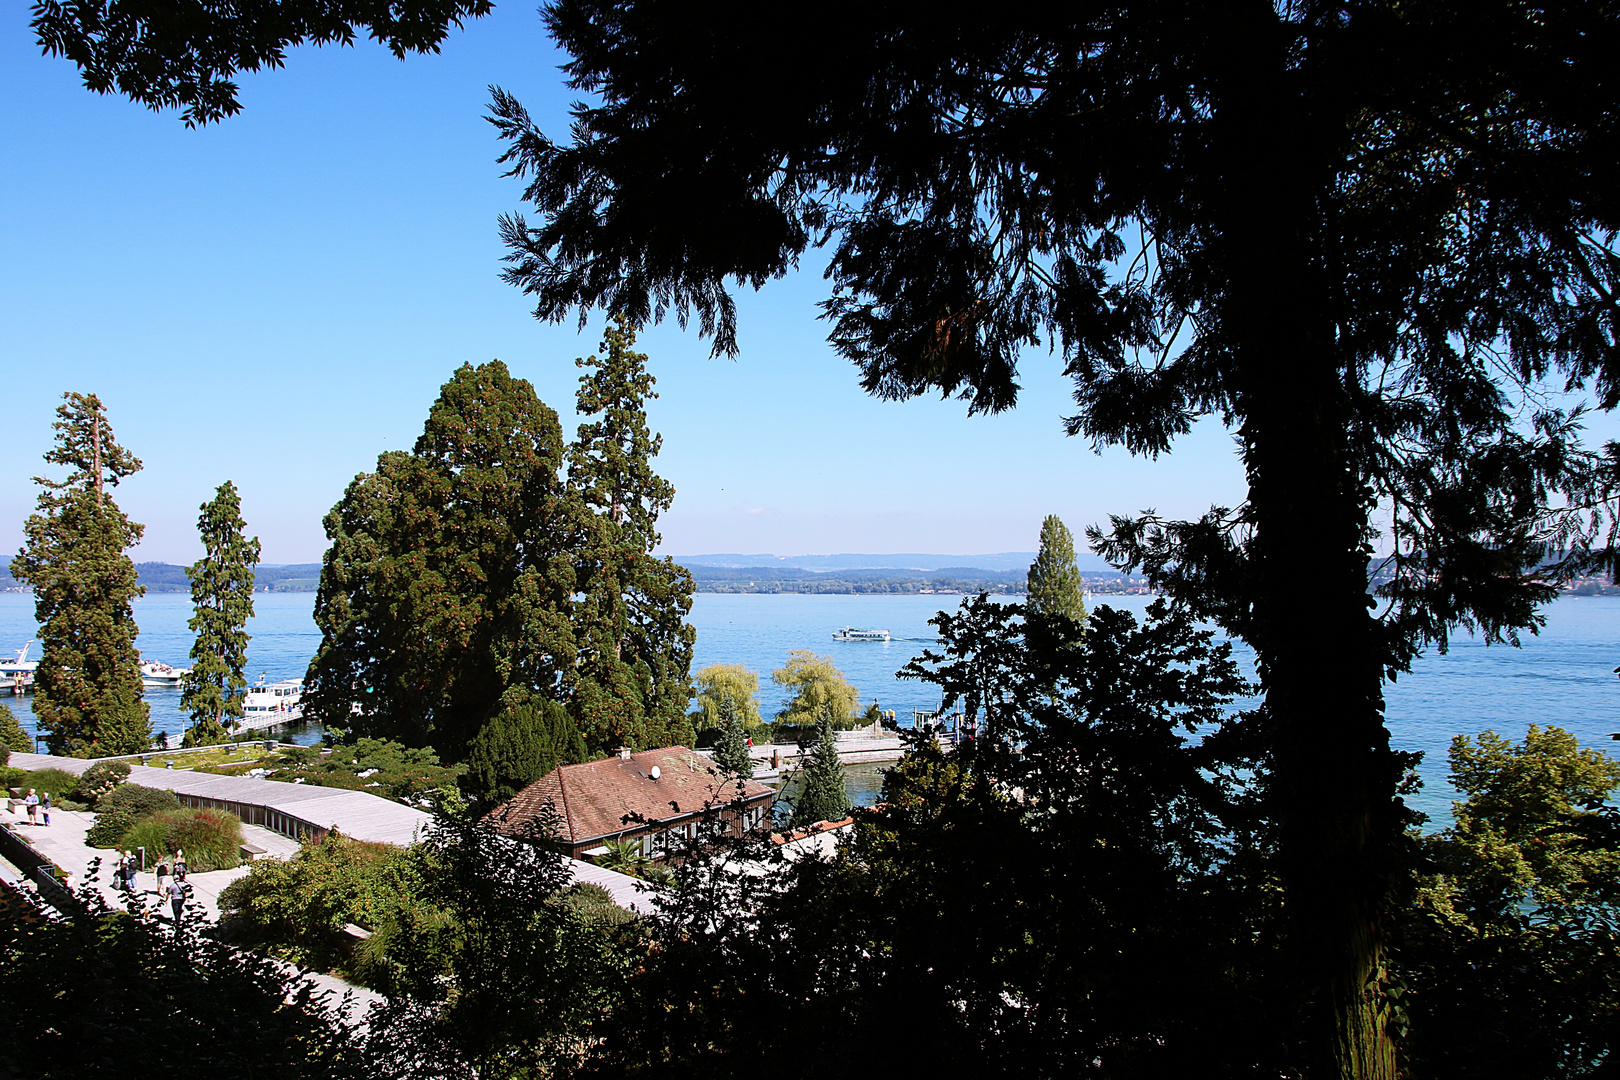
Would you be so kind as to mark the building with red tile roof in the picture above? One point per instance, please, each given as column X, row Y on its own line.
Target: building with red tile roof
column 663, row 797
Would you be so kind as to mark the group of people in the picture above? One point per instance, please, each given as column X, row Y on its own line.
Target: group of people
column 171, row 878
column 37, row 804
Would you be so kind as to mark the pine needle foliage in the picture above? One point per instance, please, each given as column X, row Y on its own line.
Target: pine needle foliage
column 87, row 688
column 222, row 597
column 731, row 751
column 1055, row 585
column 823, row 797
column 12, row 735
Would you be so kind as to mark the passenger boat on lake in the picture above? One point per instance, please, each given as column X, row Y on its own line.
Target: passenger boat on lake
column 851, row 633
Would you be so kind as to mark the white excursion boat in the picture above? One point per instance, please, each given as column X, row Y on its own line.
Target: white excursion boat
column 851, row 633
column 156, row 674
column 18, row 675
column 267, row 706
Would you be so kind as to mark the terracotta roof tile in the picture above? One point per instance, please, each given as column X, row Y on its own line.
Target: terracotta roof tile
column 592, row 800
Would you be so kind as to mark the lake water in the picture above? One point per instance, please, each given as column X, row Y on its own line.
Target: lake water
column 1563, row 677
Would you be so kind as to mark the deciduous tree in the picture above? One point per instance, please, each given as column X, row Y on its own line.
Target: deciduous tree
column 816, row 689
column 222, row 597
column 717, row 681
column 87, row 688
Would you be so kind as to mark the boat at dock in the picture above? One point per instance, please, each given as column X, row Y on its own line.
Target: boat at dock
column 272, row 705
column 851, row 633
column 18, row 675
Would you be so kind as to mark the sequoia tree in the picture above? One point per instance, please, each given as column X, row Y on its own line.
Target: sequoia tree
column 446, row 593
column 87, row 688
column 1366, row 236
column 222, row 598
column 632, row 683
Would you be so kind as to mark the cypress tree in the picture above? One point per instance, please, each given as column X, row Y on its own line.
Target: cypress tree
column 633, row 681
column 823, row 797
column 222, row 597
column 87, row 688
column 731, row 751
column 1055, row 586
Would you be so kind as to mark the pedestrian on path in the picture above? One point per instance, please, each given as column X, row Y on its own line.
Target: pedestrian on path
column 162, row 880
column 177, row 900
column 180, row 866
column 32, row 802
column 45, row 807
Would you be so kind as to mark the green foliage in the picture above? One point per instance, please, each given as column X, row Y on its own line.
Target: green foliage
column 12, row 735
column 82, row 982
column 449, row 580
column 137, row 800
column 193, row 60
column 823, row 796
column 816, row 689
column 518, row 746
column 110, row 828
column 65, row 788
column 406, row 774
column 717, row 681
column 222, row 598
column 1055, row 587
column 299, row 907
column 211, row 839
column 626, row 857
column 87, row 688
column 1508, row 950
column 635, row 646
column 731, row 750
column 100, row 778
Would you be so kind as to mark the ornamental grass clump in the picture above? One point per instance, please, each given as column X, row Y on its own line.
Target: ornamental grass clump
column 211, row 839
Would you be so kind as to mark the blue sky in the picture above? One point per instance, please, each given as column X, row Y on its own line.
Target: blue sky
column 276, row 299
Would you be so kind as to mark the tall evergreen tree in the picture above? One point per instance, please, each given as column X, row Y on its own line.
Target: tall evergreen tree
column 1055, row 587
column 1371, row 237
column 518, row 746
column 87, row 688
column 823, row 797
column 447, row 591
column 731, row 750
column 222, row 597
column 633, row 681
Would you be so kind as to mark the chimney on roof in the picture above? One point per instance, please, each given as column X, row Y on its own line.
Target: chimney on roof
column 624, row 753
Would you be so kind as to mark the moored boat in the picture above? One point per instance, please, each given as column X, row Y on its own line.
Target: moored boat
column 18, row 675
column 154, row 673
column 272, row 705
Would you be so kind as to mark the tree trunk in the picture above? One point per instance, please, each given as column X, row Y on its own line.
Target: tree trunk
column 1319, row 648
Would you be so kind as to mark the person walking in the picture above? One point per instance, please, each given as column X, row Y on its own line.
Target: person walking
column 162, row 880
column 177, row 900
column 180, row 867
column 32, row 802
column 45, row 807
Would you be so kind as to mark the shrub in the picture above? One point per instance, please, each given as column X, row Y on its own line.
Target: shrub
column 12, row 735
column 10, row 778
column 109, row 829
column 63, row 786
column 211, row 839
column 138, row 800
column 100, row 778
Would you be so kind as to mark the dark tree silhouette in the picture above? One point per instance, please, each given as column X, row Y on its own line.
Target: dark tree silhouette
column 1376, row 239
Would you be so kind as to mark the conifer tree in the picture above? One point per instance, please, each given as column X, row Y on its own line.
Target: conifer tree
column 446, row 594
column 12, row 735
column 731, row 751
column 633, row 680
column 518, row 746
column 87, row 688
column 222, row 595
column 1055, row 586
column 823, row 797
